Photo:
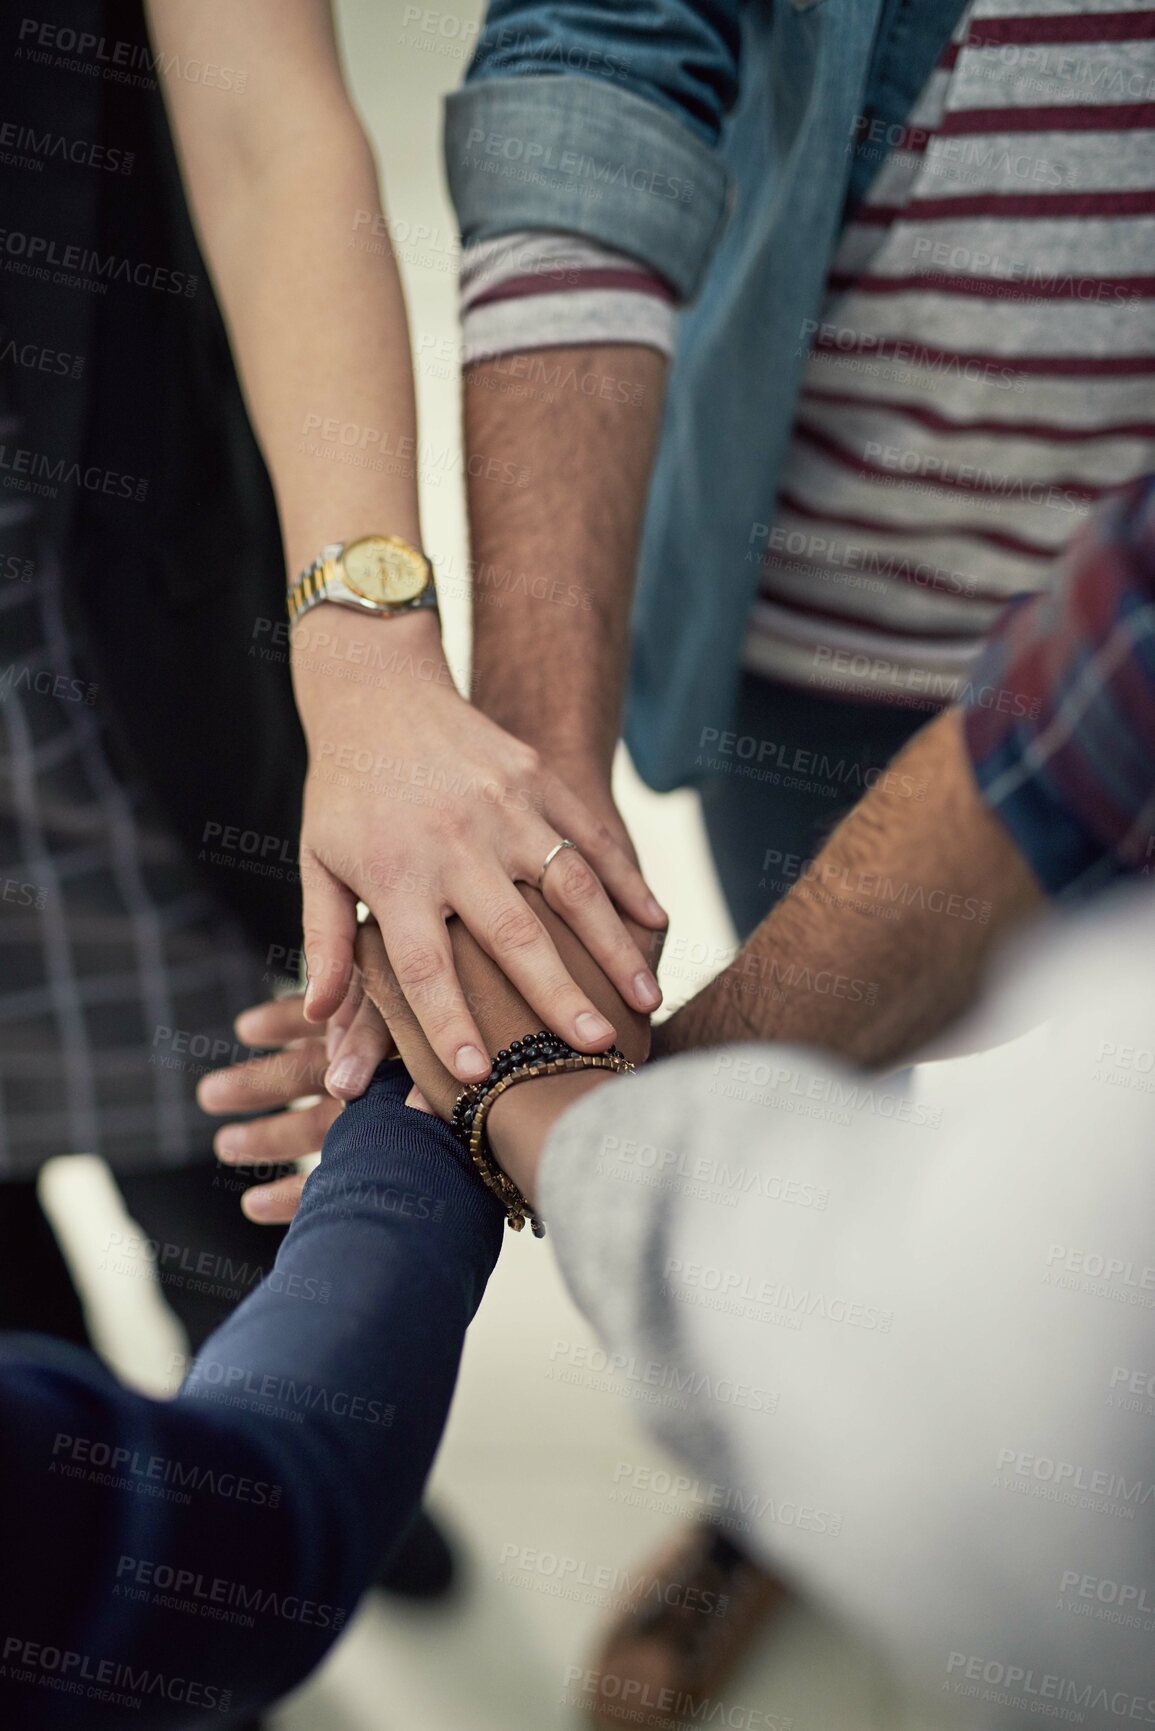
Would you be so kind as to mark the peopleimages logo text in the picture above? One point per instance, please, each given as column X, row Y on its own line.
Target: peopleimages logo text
column 85, row 262
column 69, row 1668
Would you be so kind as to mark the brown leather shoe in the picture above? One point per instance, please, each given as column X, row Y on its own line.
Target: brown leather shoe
column 679, row 1637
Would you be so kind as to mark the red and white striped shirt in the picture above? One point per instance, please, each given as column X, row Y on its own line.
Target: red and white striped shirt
column 984, row 366
column 985, row 363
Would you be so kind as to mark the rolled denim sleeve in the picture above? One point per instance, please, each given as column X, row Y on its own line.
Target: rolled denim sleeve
column 601, row 120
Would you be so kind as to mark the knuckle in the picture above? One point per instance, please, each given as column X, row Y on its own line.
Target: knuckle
column 417, row 963
column 578, row 882
column 560, row 1000
column 445, row 1031
column 450, row 820
column 457, row 840
column 602, row 839
column 524, row 763
column 328, row 962
column 427, row 979
column 317, row 938
column 514, row 927
column 382, row 870
column 316, row 878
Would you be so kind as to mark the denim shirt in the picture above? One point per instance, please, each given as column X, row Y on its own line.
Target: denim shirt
column 713, row 140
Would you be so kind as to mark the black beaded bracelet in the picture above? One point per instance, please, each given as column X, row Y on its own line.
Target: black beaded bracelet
column 540, row 1054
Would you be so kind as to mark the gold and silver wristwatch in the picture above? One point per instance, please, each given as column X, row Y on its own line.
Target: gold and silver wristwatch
column 379, row 574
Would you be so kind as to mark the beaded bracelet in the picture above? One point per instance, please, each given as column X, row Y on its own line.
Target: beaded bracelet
column 540, row 1054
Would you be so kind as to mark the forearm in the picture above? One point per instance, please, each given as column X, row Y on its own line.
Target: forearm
column 320, row 331
column 883, row 940
column 878, row 946
column 521, row 1121
column 343, row 1362
column 321, row 336
column 554, row 560
column 576, row 392
column 908, row 898
column 288, row 1466
column 317, row 324
column 357, row 1331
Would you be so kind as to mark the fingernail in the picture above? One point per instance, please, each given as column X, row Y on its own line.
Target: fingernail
column 646, row 990
column 349, row 1076
column 230, row 1143
column 591, row 1028
column 248, row 1025
column 255, row 1204
column 468, row 1061
column 334, row 1039
column 657, row 912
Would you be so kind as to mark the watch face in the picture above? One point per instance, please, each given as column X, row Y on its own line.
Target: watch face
column 384, row 570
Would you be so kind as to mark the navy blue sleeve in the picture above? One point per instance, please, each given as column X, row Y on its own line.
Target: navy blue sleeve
column 166, row 1562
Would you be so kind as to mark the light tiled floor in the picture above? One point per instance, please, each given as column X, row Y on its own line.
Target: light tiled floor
column 527, row 1458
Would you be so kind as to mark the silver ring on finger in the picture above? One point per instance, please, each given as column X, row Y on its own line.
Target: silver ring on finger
column 549, row 859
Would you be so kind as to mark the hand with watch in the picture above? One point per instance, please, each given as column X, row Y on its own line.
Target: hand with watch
column 380, row 574
column 414, row 803
column 421, row 808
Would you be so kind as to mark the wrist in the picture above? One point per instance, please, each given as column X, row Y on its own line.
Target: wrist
column 586, row 769
column 519, row 1123
column 575, row 742
column 336, row 652
column 585, row 773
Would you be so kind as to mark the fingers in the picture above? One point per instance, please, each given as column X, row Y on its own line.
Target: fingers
column 612, row 862
column 420, row 966
column 339, row 1023
column 274, row 1204
column 571, row 887
column 633, row 1028
column 510, row 932
column 329, row 914
column 380, row 983
column 282, row 1136
column 366, row 1044
column 273, row 1023
column 436, row 1083
column 263, row 1082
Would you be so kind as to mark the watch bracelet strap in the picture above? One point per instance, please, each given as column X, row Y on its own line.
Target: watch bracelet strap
column 311, row 587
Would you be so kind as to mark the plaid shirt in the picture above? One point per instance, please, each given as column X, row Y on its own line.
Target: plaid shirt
column 119, row 972
column 1060, row 718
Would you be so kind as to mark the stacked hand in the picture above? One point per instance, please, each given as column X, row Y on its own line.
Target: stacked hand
column 362, row 1040
column 501, row 1011
column 422, row 808
column 308, row 1061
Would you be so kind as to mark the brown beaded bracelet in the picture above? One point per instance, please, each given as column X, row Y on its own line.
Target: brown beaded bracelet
column 534, row 1055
